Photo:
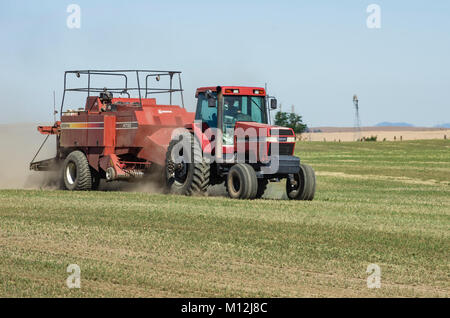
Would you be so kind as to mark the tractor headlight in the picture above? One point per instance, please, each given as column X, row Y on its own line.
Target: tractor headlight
column 280, row 139
column 272, row 139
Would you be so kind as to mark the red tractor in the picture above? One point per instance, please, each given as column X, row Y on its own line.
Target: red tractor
column 120, row 137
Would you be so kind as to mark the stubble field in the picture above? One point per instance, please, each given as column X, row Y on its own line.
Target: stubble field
column 385, row 203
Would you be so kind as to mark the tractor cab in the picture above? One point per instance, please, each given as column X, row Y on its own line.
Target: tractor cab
column 242, row 114
column 239, row 104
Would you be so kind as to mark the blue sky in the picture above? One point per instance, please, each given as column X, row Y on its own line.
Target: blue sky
column 312, row 54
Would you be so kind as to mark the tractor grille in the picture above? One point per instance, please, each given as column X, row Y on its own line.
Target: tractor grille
column 281, row 132
column 284, row 149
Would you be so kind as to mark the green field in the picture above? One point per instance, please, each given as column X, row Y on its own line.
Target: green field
column 384, row 203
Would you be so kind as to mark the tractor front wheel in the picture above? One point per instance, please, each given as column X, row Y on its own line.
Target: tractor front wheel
column 302, row 185
column 242, row 182
column 76, row 172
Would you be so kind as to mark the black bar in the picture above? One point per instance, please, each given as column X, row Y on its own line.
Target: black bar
column 244, row 307
column 181, row 89
column 139, row 87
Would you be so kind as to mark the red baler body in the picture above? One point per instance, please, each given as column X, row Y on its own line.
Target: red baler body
column 139, row 133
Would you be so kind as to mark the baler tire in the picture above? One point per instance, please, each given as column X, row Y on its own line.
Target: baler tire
column 246, row 177
column 307, row 188
column 262, row 186
column 198, row 178
column 82, row 179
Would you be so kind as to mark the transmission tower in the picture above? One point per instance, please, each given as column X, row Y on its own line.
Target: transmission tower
column 357, row 118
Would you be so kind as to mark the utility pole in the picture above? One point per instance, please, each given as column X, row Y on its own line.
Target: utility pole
column 357, row 118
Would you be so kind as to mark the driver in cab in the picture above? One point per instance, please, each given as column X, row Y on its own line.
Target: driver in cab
column 231, row 106
column 231, row 112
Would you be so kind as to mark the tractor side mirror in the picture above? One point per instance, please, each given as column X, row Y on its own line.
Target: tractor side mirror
column 211, row 99
column 273, row 103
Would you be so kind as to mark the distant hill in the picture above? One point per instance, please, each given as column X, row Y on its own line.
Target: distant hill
column 371, row 129
column 447, row 125
column 388, row 124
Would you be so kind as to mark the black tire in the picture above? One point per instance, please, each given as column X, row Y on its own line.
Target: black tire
column 305, row 188
column 195, row 176
column 262, row 186
column 241, row 182
column 76, row 172
column 253, row 181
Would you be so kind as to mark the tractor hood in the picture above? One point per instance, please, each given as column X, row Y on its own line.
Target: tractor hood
column 263, row 130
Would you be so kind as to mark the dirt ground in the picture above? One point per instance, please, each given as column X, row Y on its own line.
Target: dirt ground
column 382, row 133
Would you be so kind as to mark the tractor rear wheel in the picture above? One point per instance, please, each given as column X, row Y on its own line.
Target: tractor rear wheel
column 303, row 184
column 76, row 172
column 186, row 174
column 241, row 182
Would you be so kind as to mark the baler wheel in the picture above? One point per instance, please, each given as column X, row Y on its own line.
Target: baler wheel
column 76, row 172
column 187, row 178
column 242, row 182
column 304, row 186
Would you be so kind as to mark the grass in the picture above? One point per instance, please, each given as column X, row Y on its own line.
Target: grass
column 385, row 203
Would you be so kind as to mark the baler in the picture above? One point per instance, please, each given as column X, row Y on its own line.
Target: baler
column 117, row 136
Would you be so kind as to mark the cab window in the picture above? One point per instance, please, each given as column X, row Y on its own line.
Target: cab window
column 205, row 113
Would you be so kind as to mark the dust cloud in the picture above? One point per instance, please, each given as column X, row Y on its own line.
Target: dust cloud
column 18, row 145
